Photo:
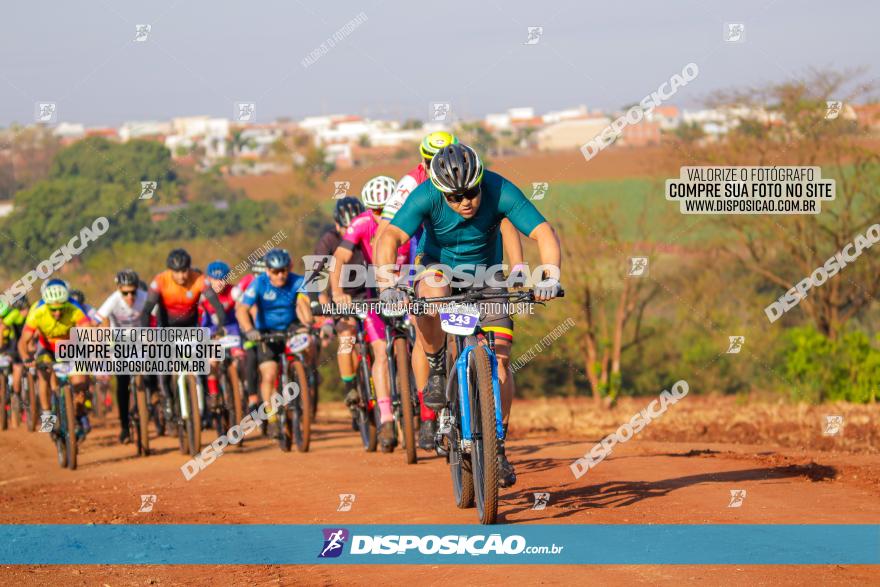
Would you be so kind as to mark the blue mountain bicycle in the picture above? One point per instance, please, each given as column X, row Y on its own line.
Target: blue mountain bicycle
column 470, row 429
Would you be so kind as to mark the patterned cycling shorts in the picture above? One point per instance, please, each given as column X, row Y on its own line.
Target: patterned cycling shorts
column 494, row 316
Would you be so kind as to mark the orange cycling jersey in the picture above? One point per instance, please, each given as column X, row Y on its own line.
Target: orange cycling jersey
column 50, row 330
column 181, row 302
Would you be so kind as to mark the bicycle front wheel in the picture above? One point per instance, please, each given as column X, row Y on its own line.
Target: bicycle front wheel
column 194, row 422
column 301, row 408
column 405, row 390
column 70, row 417
column 365, row 422
column 484, row 451
column 143, row 417
column 33, row 416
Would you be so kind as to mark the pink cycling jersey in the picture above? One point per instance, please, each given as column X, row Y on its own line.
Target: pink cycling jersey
column 361, row 233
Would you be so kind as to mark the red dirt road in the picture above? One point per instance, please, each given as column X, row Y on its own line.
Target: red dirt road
column 642, row 482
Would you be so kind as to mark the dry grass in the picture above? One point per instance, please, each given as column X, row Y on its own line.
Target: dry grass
column 709, row 419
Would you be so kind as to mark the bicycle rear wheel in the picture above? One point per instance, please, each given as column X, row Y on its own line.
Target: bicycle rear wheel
column 484, row 451
column 70, row 417
column 301, row 408
column 405, row 390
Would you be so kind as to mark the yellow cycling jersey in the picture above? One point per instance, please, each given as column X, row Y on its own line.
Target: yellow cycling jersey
column 41, row 321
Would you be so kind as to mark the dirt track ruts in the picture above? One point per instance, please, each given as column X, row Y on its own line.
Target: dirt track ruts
column 642, row 482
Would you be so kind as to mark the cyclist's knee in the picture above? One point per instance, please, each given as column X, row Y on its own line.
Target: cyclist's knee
column 380, row 360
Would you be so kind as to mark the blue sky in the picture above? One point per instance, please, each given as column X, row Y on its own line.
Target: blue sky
column 201, row 57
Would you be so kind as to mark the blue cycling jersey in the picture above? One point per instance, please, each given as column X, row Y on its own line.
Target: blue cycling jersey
column 276, row 306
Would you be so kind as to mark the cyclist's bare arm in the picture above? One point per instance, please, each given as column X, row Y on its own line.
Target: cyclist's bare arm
column 548, row 246
column 243, row 314
column 342, row 257
column 386, row 252
column 383, row 224
column 512, row 243
column 152, row 302
column 212, row 298
column 23, row 344
column 304, row 309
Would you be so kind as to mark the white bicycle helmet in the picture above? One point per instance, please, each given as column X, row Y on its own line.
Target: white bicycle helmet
column 378, row 190
column 54, row 292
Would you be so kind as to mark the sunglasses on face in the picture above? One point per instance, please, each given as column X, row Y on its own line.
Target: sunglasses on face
column 128, row 292
column 471, row 194
column 56, row 308
column 277, row 271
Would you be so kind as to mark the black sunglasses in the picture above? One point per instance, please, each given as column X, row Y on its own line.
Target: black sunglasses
column 128, row 292
column 471, row 194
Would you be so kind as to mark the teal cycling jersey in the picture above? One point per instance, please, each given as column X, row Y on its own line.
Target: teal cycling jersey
column 454, row 240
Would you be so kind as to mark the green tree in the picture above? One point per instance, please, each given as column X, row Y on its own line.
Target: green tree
column 126, row 164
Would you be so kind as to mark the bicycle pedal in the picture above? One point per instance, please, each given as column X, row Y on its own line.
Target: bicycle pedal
column 439, row 448
column 445, row 429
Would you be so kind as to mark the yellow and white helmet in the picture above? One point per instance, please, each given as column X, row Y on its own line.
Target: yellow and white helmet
column 435, row 141
column 55, row 292
column 377, row 191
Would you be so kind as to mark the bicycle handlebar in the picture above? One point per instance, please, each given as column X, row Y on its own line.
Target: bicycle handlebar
column 348, row 312
column 481, row 295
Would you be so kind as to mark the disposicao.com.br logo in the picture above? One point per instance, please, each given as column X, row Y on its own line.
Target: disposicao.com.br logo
column 432, row 544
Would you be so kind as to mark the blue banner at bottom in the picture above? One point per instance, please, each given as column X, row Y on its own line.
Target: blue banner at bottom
column 743, row 544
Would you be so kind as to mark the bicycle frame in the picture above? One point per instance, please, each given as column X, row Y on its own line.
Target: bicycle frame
column 461, row 369
column 392, row 333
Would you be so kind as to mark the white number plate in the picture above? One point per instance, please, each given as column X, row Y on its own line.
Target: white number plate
column 299, row 342
column 230, row 341
column 5, row 361
column 61, row 369
column 459, row 320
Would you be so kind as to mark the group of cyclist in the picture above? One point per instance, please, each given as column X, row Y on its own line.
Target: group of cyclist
column 447, row 211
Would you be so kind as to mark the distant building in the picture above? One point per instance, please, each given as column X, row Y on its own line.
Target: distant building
column 640, row 135
column 567, row 114
column 69, row 132
column 143, row 129
column 339, row 154
column 569, row 134
column 107, row 133
column 868, row 115
column 668, row 117
column 514, row 117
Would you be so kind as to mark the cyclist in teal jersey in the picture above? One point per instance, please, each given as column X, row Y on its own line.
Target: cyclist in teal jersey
column 461, row 209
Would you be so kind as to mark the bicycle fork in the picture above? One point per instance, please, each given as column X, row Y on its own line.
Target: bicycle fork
column 184, row 400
